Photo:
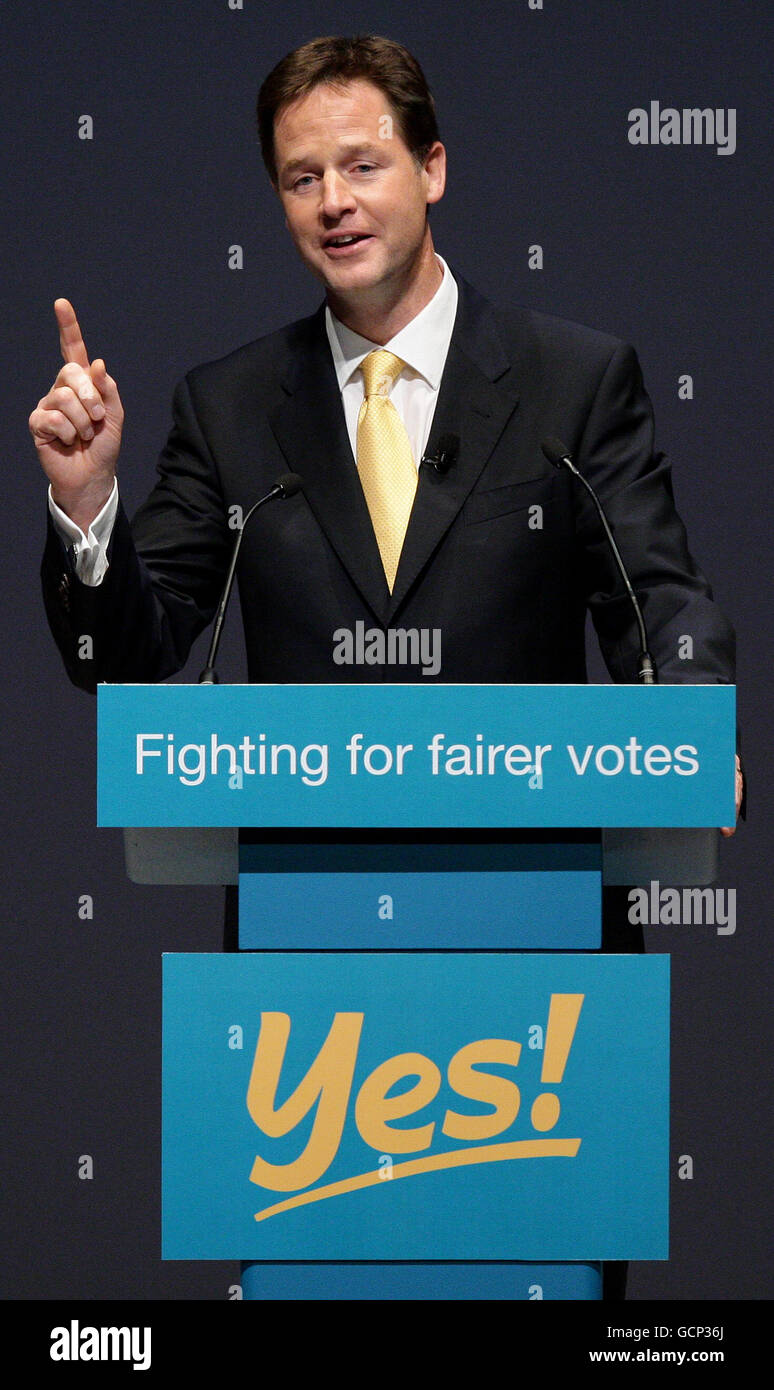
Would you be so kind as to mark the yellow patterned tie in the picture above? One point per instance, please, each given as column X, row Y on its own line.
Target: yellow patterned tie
column 384, row 458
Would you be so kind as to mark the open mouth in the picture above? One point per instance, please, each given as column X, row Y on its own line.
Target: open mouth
column 346, row 243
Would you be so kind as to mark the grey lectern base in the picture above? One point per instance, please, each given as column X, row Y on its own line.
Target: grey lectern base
column 180, row 856
column 675, row 857
column 629, row 857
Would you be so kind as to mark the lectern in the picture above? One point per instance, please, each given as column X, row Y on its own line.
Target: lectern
column 418, row 1078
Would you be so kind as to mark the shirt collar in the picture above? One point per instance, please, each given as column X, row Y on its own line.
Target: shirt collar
column 422, row 344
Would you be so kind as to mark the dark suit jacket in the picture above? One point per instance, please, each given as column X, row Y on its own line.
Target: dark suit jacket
column 508, row 585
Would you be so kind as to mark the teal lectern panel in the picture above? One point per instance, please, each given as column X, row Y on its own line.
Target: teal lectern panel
column 417, row 756
column 533, row 894
column 408, row 1106
column 388, row 1283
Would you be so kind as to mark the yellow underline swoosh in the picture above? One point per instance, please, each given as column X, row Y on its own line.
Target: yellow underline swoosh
column 455, row 1158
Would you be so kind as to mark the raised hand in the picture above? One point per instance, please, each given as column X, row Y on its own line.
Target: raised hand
column 77, row 426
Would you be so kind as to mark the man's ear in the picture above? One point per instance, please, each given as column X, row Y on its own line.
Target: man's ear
column 435, row 172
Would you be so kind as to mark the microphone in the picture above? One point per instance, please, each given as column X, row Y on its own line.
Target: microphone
column 557, row 454
column 286, row 486
column 446, row 451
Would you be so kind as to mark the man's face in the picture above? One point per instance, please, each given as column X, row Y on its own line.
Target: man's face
column 343, row 168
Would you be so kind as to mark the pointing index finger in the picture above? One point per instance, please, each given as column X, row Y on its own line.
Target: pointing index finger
column 70, row 336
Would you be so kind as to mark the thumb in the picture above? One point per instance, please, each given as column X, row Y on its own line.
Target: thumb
column 105, row 385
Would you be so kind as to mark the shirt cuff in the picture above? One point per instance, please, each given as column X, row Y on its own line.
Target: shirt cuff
column 89, row 551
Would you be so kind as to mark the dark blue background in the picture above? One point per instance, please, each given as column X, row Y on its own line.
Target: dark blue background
column 666, row 246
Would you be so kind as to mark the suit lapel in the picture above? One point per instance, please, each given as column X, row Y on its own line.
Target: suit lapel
column 311, row 429
column 476, row 399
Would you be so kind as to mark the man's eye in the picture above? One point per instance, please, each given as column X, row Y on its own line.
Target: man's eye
column 366, row 167
column 303, row 182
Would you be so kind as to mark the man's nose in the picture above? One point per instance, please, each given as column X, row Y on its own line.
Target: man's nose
column 337, row 195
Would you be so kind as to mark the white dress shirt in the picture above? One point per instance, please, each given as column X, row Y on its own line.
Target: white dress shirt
column 423, row 345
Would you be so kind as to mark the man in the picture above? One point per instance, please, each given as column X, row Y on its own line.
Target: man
column 499, row 551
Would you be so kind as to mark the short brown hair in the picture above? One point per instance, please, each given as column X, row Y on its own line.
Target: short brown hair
column 336, row 61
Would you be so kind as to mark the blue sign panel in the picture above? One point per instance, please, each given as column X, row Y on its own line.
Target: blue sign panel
column 408, row 755
column 533, row 890
column 408, row 1106
column 419, row 911
column 386, row 1283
